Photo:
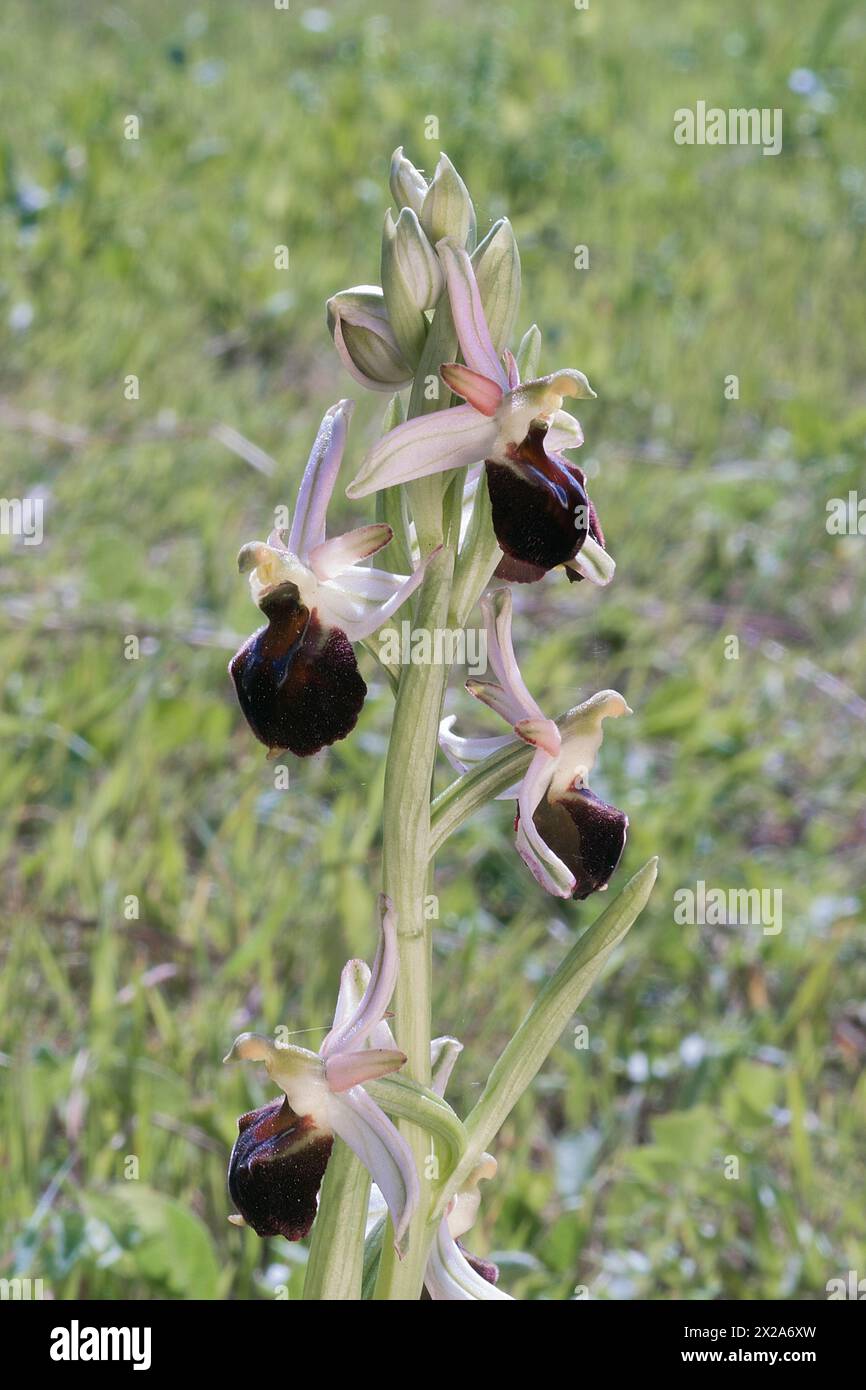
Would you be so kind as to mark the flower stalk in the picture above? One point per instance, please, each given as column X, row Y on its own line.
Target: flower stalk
column 405, row 867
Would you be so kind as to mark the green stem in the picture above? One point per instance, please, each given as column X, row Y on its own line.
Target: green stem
column 336, row 1264
column 478, row 558
column 406, row 816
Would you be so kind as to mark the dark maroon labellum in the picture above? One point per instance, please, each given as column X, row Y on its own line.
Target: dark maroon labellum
column 586, row 834
column 297, row 682
column 540, row 508
column 276, row 1170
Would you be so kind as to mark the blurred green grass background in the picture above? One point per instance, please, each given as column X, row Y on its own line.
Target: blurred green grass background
column 156, row 258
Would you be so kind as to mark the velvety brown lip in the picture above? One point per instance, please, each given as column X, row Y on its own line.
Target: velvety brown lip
column 538, row 501
column 297, row 681
column 276, row 1169
column 586, row 833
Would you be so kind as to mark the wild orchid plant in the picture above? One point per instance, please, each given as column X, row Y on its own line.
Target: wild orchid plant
column 471, row 497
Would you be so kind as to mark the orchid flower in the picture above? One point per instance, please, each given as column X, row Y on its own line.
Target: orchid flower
column 452, row 1272
column 542, row 515
column 297, row 679
column 282, row 1150
column 570, row 839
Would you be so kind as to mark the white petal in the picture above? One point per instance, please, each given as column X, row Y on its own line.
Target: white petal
column 497, row 699
column 511, row 369
column 344, row 1070
column 594, row 563
column 541, row 733
column 482, row 393
column 564, row 433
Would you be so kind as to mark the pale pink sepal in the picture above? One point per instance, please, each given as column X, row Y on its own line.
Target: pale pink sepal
column 473, row 334
column 465, row 753
column 320, row 475
column 424, row 445
column 546, row 867
column 350, row 1033
column 497, row 609
column 357, row 629
column 386, row 1155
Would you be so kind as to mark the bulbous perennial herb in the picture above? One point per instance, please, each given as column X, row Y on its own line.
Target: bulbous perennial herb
column 475, row 492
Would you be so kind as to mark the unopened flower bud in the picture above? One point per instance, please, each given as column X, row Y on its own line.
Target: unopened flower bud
column 408, row 184
column 496, row 261
column 359, row 324
column 410, row 251
column 447, row 208
column 529, row 353
column 412, row 281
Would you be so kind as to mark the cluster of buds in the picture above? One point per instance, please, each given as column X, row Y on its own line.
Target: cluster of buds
column 380, row 331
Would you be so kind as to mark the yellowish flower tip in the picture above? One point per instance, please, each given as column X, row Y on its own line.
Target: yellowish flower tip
column 570, row 382
column 236, row 1220
column 252, row 556
column 485, row 1170
column 610, row 704
column 249, row 1047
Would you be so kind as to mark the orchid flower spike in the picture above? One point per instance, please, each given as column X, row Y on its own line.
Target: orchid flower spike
column 570, row 839
column 281, row 1152
column 297, row 679
column 542, row 515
